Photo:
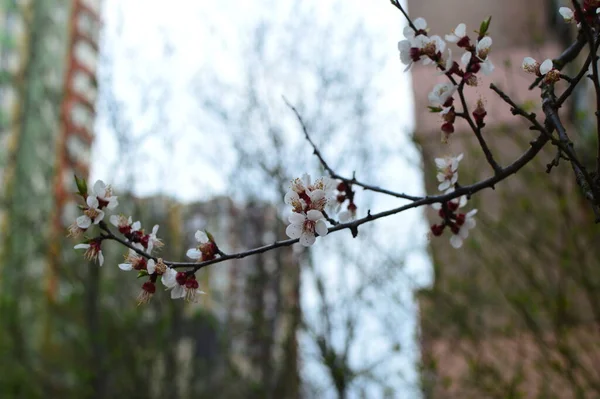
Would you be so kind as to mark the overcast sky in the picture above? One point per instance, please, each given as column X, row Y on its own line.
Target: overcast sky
column 154, row 46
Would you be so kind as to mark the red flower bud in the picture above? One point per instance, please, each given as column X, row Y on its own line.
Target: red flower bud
column 149, row 287
column 437, row 229
column 181, row 278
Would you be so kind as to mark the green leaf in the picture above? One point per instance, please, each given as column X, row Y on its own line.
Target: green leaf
column 210, row 236
column 434, row 109
column 485, row 25
column 81, row 186
column 142, row 273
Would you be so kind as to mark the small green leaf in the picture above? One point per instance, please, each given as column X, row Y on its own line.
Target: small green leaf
column 485, row 25
column 81, row 186
column 142, row 273
column 434, row 109
column 210, row 236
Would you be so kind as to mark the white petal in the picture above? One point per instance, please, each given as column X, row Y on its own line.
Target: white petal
column 471, row 213
column 528, row 62
column 81, row 246
column 408, row 32
column 297, row 218
column 466, row 57
column 178, row 292
column 444, row 185
column 461, row 30
column 114, row 220
column 546, row 66
column 92, row 202
column 307, row 239
column 193, row 253
column 470, row 223
column 456, row 241
column 151, row 266
column 451, row 38
column 169, row 278
column 437, row 206
column 125, row 266
column 487, row 67
column 112, row 203
column 201, row 237
column 420, row 23
column 100, row 189
column 441, row 163
column 568, row 14
column 136, row 226
column 306, row 179
column 294, row 231
column 440, row 177
column 99, row 217
column 440, row 44
column 484, row 43
column 290, row 197
column 100, row 258
column 83, row 222
column 321, row 228
column 314, row 215
column 317, row 195
column 459, row 157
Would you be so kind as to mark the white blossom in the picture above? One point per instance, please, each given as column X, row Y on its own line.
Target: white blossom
column 93, row 252
column 457, row 34
column 104, row 193
column 568, row 14
column 153, row 240
column 202, row 238
column 530, row 65
column 120, row 220
column 441, row 93
column 92, row 214
column 457, row 239
column 304, row 226
column 482, row 50
column 447, row 171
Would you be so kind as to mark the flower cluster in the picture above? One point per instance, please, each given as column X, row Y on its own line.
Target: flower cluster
column 182, row 285
column 419, row 47
column 545, row 69
column 458, row 223
column 344, row 194
column 141, row 244
column 97, row 200
column 308, row 201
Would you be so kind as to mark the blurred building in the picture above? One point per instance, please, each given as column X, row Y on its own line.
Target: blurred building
column 47, row 93
column 514, row 312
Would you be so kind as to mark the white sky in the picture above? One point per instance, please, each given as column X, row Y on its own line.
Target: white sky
column 210, row 34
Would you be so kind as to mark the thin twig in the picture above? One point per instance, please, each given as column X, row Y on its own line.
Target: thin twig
column 332, row 173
